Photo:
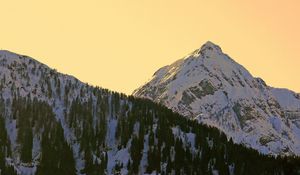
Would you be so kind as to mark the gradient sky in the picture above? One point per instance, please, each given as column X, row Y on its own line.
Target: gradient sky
column 119, row 44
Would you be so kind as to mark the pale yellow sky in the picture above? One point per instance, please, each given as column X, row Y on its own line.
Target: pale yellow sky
column 119, row 44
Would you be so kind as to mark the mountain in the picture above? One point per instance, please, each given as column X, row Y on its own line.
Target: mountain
column 210, row 87
column 51, row 123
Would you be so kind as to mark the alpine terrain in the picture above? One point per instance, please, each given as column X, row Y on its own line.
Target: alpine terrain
column 53, row 124
column 211, row 88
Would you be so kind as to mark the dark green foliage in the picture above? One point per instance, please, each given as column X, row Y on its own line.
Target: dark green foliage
column 213, row 151
column 137, row 146
column 154, row 156
column 91, row 166
column 56, row 155
column 4, row 150
column 139, row 122
column 23, row 111
column 26, row 150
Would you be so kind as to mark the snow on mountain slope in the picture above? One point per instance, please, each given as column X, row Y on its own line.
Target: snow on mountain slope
column 25, row 77
column 107, row 132
column 51, row 123
column 288, row 100
column 207, row 85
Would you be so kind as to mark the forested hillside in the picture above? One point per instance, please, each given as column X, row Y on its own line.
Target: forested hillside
column 52, row 123
column 126, row 135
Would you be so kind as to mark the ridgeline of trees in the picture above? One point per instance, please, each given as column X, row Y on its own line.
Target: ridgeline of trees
column 173, row 144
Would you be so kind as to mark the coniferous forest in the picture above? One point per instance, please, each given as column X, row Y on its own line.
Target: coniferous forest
column 149, row 87
column 157, row 140
column 53, row 124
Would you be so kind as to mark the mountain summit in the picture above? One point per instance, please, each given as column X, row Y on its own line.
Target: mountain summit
column 51, row 123
column 211, row 46
column 209, row 86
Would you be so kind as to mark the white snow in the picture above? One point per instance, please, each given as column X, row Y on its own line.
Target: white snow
column 271, row 109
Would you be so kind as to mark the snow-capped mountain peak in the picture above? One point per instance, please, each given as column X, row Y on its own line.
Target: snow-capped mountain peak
column 51, row 123
column 209, row 86
column 210, row 47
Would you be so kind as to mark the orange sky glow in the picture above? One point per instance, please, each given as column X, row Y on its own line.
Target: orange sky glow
column 119, row 44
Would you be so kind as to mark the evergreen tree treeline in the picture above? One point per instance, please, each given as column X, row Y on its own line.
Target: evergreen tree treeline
column 173, row 144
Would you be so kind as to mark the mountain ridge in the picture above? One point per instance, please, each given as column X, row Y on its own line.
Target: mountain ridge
column 209, row 83
column 52, row 123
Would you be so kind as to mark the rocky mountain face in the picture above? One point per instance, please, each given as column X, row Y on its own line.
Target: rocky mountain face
column 210, row 87
column 51, row 123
